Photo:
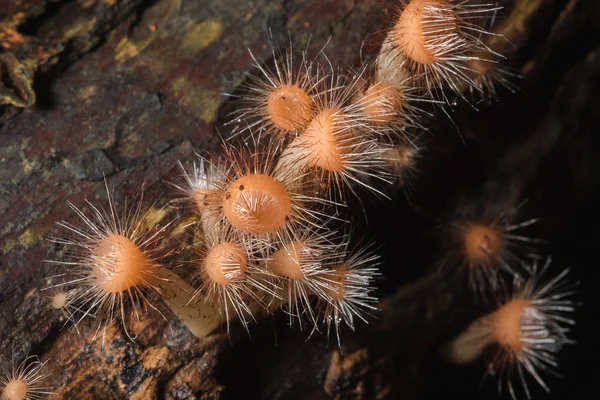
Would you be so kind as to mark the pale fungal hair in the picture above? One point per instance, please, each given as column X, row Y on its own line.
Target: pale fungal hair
column 527, row 331
column 432, row 41
column 299, row 268
column 112, row 264
column 485, row 239
column 254, row 201
column 382, row 103
column 200, row 189
column 24, row 381
column 403, row 161
column 489, row 78
column 391, row 110
column 491, row 75
column 199, row 183
column 278, row 101
column 350, row 288
column 338, row 148
column 230, row 280
column 63, row 300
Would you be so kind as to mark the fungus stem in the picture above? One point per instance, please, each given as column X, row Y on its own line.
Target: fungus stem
column 200, row 318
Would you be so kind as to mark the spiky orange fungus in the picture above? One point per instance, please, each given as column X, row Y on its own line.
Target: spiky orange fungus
column 24, row 381
column 226, row 263
column 382, row 103
column 402, row 156
column 481, row 242
column 287, row 261
column 118, row 264
column 419, row 24
column 319, row 140
column 289, row 107
column 507, row 324
column 257, row 203
column 480, row 65
column 203, row 198
column 337, row 289
column 15, row 390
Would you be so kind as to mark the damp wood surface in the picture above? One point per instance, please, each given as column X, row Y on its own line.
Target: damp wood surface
column 124, row 89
